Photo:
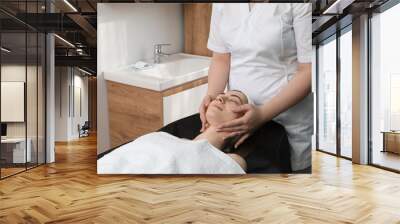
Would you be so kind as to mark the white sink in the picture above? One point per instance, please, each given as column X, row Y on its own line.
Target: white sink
column 173, row 70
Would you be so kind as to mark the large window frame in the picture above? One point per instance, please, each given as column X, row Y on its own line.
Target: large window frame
column 381, row 9
column 341, row 80
column 325, row 42
column 40, row 122
column 334, row 37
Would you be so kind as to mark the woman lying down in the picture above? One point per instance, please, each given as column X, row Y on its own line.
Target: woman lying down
column 162, row 153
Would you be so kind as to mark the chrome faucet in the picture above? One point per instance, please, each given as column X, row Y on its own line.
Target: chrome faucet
column 158, row 53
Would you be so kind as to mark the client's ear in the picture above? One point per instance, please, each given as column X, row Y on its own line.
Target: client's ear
column 206, row 125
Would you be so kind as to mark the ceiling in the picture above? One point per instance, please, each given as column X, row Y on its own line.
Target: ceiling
column 76, row 24
column 332, row 15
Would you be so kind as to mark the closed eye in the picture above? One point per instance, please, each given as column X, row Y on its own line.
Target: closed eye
column 234, row 100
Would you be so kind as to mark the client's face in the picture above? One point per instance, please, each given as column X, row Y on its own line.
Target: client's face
column 220, row 109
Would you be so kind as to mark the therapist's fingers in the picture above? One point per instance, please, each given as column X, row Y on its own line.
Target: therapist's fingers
column 241, row 140
column 203, row 122
column 203, row 118
column 242, row 108
column 233, row 134
column 233, row 123
column 203, row 109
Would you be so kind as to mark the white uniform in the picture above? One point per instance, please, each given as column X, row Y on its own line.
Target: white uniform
column 266, row 44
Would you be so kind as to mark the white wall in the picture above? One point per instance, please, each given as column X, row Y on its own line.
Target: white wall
column 80, row 118
column 61, row 103
column 66, row 121
column 126, row 34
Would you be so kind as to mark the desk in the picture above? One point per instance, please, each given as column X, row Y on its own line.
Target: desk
column 13, row 150
column 391, row 141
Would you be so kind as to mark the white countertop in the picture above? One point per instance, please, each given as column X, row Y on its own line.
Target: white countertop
column 173, row 70
column 13, row 140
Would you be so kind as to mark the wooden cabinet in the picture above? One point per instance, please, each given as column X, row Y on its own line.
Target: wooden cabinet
column 391, row 142
column 135, row 111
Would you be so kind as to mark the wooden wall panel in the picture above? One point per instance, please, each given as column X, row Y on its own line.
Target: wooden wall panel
column 133, row 112
column 197, row 19
column 92, row 90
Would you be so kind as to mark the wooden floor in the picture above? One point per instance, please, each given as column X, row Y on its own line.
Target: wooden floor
column 70, row 191
column 10, row 171
column 387, row 159
column 5, row 172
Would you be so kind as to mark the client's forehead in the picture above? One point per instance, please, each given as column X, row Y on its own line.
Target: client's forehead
column 238, row 94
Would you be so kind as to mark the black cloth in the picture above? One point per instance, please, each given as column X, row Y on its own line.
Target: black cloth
column 271, row 150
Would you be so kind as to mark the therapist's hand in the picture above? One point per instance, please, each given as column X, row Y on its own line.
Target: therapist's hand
column 203, row 108
column 251, row 120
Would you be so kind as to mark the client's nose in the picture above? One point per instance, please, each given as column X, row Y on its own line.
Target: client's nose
column 220, row 99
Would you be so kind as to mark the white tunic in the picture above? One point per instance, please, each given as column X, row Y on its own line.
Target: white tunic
column 162, row 153
column 266, row 45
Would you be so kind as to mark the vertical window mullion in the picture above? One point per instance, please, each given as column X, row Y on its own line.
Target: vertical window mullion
column 37, row 90
column 317, row 96
column 338, row 73
column 26, row 86
column 369, row 77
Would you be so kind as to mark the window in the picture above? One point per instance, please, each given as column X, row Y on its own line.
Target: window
column 346, row 93
column 327, row 96
column 385, row 89
column 22, row 77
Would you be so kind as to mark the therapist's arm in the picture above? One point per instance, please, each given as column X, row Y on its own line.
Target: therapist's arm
column 300, row 85
column 295, row 91
column 218, row 74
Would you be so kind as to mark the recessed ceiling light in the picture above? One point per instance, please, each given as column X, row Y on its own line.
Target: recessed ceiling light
column 5, row 50
column 337, row 7
column 64, row 40
column 84, row 71
column 70, row 5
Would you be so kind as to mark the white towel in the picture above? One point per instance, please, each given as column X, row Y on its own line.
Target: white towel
column 162, row 153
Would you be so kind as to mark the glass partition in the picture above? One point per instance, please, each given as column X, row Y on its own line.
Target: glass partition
column 13, row 95
column 346, row 93
column 22, row 78
column 327, row 96
column 385, row 89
